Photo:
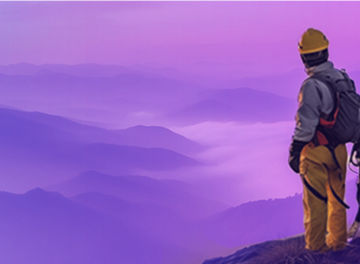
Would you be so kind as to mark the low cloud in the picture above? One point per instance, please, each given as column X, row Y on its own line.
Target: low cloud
column 252, row 158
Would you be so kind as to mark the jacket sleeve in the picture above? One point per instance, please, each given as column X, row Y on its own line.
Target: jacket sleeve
column 308, row 112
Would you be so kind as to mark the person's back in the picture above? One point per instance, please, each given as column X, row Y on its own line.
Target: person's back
column 314, row 99
column 314, row 154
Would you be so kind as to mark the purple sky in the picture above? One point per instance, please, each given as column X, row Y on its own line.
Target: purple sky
column 222, row 39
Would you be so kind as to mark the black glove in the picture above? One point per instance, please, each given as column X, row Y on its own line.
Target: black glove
column 294, row 154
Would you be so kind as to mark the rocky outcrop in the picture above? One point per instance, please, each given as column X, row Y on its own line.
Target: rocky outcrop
column 289, row 251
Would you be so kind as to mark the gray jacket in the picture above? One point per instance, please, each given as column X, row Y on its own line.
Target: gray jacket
column 314, row 98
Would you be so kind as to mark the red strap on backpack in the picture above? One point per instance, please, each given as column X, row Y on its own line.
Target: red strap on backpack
column 321, row 139
column 328, row 124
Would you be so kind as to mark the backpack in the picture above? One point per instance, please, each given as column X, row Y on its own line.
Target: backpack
column 343, row 123
column 343, row 126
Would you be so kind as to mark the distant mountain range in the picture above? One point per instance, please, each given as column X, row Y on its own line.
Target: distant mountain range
column 117, row 214
column 142, row 136
column 156, row 136
column 50, row 148
column 108, row 94
column 42, row 227
column 175, row 196
column 110, row 213
column 285, row 84
column 242, row 104
column 112, row 94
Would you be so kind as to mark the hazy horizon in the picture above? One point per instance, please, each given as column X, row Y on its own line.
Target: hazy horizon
column 219, row 39
column 154, row 132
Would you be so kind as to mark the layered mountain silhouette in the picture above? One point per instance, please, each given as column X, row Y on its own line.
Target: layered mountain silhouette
column 107, row 94
column 43, row 227
column 109, row 212
column 173, row 196
column 51, row 148
column 158, row 221
column 156, row 136
column 92, row 227
column 118, row 95
column 285, row 84
column 142, row 136
column 242, row 104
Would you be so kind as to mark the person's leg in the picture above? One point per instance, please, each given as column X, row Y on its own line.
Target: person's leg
column 336, row 226
column 315, row 209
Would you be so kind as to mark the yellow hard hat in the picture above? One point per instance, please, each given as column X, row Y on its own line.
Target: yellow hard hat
column 312, row 40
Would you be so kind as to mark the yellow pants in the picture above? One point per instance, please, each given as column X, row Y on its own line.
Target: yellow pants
column 318, row 168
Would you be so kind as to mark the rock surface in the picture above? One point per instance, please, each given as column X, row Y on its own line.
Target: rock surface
column 289, row 251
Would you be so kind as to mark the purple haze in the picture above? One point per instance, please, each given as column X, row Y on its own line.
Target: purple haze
column 153, row 132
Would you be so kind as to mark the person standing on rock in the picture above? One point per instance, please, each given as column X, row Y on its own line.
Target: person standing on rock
column 315, row 153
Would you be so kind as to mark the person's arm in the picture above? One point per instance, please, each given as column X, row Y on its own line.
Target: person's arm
column 307, row 119
column 308, row 112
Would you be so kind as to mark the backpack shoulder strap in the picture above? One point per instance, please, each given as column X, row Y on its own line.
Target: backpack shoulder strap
column 331, row 84
column 325, row 79
column 350, row 82
column 326, row 121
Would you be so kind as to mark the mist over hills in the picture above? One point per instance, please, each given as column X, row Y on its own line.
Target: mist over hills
column 142, row 136
column 116, row 95
column 157, row 136
column 99, row 170
column 51, row 148
column 175, row 196
column 285, row 84
column 170, row 156
column 242, row 104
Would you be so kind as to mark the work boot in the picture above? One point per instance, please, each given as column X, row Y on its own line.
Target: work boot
column 321, row 250
column 353, row 231
column 338, row 247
